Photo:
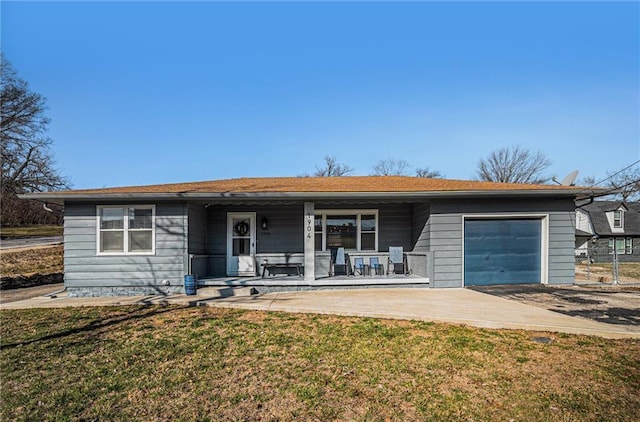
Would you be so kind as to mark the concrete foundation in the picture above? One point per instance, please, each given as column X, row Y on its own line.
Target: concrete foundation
column 124, row 291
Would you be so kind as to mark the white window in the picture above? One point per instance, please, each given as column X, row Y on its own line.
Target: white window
column 617, row 219
column 319, row 224
column 126, row 230
column 628, row 246
column 355, row 230
column 620, row 245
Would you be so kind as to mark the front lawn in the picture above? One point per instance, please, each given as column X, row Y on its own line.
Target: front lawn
column 27, row 261
column 176, row 363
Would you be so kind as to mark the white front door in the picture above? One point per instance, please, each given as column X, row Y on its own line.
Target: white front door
column 241, row 244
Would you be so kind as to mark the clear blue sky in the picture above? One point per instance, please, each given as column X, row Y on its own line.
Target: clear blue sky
column 160, row 92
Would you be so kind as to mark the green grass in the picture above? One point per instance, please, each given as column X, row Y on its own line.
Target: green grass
column 175, row 363
column 30, row 231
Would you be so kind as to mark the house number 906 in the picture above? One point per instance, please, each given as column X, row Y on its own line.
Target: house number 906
column 308, row 226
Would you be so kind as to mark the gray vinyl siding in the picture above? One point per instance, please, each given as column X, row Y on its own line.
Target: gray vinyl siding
column 446, row 244
column 85, row 268
column 285, row 229
column 446, row 235
column 420, row 229
column 197, row 229
column 562, row 241
column 394, row 222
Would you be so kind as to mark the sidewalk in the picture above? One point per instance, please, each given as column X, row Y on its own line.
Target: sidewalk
column 457, row 306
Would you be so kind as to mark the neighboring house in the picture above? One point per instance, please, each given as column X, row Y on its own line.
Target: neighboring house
column 602, row 226
column 145, row 239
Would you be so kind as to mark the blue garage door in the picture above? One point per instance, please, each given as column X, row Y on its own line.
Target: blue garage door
column 502, row 251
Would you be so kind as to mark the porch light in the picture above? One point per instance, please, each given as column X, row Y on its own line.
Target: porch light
column 265, row 223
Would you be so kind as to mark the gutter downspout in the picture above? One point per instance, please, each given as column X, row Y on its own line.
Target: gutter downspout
column 55, row 294
column 591, row 199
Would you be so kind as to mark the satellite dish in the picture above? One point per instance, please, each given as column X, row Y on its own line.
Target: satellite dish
column 570, row 180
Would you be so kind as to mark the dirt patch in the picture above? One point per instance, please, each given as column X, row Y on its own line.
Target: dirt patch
column 629, row 272
column 21, row 281
column 611, row 305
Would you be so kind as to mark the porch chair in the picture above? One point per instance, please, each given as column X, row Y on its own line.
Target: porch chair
column 397, row 263
column 338, row 262
column 374, row 264
column 358, row 266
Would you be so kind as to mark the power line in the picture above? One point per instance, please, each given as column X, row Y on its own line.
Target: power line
column 611, row 191
column 595, row 185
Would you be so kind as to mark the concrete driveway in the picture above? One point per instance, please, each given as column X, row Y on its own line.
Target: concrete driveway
column 458, row 306
column 24, row 293
column 619, row 305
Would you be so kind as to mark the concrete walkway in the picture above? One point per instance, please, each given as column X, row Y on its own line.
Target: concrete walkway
column 458, row 306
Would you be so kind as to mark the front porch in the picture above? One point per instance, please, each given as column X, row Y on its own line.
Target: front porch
column 232, row 244
column 294, row 282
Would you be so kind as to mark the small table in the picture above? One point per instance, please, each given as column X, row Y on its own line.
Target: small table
column 365, row 269
column 378, row 270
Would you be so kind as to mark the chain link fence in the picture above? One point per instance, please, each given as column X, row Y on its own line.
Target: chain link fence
column 606, row 264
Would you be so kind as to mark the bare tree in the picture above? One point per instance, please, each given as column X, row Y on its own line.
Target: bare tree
column 390, row 167
column 27, row 161
column 428, row 173
column 627, row 182
column 589, row 181
column 332, row 168
column 513, row 165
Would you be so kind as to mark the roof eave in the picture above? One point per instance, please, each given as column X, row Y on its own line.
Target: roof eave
column 60, row 197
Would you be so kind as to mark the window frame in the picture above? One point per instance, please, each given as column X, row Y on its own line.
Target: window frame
column 125, row 230
column 628, row 246
column 323, row 213
column 619, row 219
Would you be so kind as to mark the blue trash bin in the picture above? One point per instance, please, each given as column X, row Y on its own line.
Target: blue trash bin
column 190, row 284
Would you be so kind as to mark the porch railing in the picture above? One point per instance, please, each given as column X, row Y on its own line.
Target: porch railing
column 419, row 263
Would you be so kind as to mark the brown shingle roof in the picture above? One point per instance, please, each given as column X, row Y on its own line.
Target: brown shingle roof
column 324, row 185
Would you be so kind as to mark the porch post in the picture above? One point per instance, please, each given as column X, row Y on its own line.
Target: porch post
column 309, row 242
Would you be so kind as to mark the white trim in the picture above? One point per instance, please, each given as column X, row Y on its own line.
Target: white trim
column 347, row 211
column 544, row 237
column 322, row 232
column 611, row 219
column 621, row 212
column 252, row 242
column 125, row 230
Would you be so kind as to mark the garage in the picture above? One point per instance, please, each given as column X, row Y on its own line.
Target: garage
column 502, row 251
